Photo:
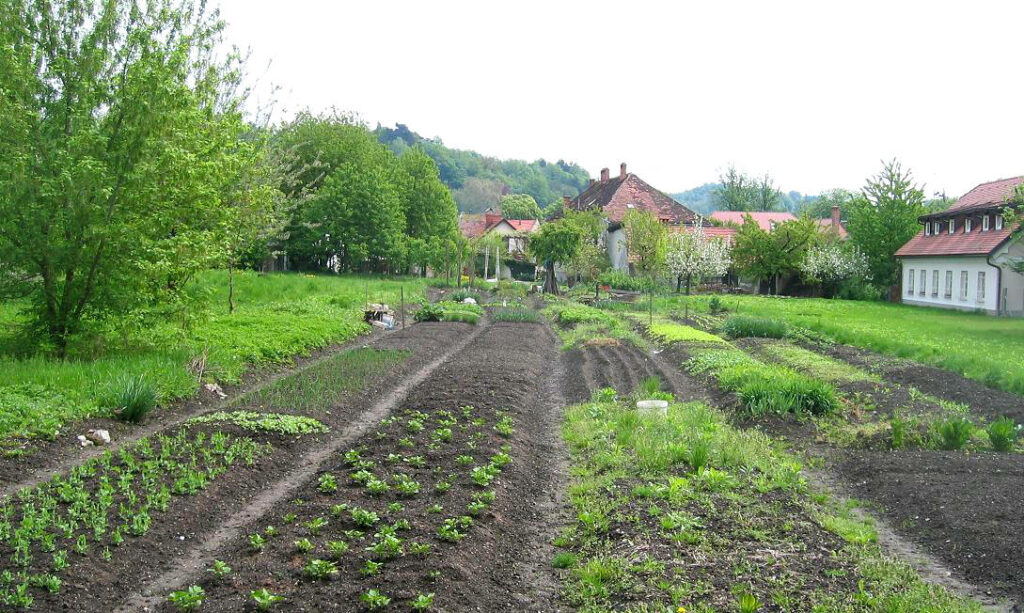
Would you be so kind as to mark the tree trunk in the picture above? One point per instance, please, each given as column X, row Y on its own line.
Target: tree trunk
column 487, row 261
column 688, row 279
column 550, row 285
column 231, row 287
column 679, row 283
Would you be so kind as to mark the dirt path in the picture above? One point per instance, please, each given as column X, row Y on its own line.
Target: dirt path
column 65, row 453
column 188, row 566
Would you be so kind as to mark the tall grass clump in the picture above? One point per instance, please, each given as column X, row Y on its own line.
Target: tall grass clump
column 740, row 326
column 1003, row 433
column 515, row 314
column 954, row 433
column 133, row 398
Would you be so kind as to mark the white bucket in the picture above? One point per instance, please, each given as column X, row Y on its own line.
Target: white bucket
column 653, row 407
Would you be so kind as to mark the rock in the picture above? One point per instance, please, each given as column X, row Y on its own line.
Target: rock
column 215, row 389
column 84, row 442
column 98, row 437
column 469, row 300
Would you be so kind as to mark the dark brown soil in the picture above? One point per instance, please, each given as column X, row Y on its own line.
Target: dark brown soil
column 91, row 584
column 621, row 367
column 964, row 509
column 509, row 368
column 984, row 401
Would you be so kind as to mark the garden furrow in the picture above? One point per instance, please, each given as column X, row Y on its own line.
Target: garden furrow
column 70, row 454
column 191, row 564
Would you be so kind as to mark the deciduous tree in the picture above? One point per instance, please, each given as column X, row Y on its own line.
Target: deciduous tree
column 646, row 240
column 693, row 256
column 556, row 242
column 520, row 206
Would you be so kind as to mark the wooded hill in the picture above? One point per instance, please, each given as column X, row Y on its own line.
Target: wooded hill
column 478, row 182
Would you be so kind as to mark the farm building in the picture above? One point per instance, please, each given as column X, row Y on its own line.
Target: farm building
column 619, row 195
column 515, row 235
column 962, row 257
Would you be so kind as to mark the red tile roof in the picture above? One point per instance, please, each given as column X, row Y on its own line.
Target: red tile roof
column 722, row 232
column 958, row 243
column 617, row 196
column 994, row 193
column 763, row 218
column 985, row 197
column 523, row 225
column 826, row 225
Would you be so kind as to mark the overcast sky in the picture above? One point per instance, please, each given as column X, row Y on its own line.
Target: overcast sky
column 814, row 93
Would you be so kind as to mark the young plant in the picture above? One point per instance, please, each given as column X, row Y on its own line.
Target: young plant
column 264, row 599
column 327, row 484
column 189, row 599
column 257, row 542
column 370, row 568
column 315, row 525
column 1003, row 433
column 955, row 432
column 364, row 518
column 374, row 600
column 748, row 603
column 337, row 549
column 422, row 602
column 320, row 570
column 219, row 570
column 303, row 545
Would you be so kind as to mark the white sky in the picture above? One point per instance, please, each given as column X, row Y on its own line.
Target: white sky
column 814, row 93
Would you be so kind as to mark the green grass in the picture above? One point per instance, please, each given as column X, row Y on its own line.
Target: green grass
column 814, row 364
column 661, row 527
column 668, row 331
column 984, row 348
column 277, row 317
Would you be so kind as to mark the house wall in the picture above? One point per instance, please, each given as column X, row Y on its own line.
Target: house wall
column 615, row 245
column 1013, row 282
column 957, row 264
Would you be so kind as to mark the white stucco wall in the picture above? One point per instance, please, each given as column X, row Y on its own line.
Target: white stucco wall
column 615, row 245
column 957, row 264
column 1013, row 282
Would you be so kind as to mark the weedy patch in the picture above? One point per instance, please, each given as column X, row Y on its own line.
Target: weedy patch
column 689, row 513
column 276, row 423
column 578, row 325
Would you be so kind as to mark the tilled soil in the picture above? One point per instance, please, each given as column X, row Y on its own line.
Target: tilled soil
column 191, row 522
column 621, row 367
column 964, row 509
column 501, row 563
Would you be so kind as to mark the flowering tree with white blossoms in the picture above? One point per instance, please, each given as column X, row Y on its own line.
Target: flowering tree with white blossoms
column 832, row 263
column 694, row 256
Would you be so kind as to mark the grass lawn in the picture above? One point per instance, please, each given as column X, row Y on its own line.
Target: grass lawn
column 985, row 348
column 277, row 316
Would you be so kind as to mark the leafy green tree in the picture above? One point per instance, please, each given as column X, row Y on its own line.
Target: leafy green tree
column 738, row 192
column 429, row 207
column 821, row 207
column 885, row 219
column 774, row 255
column 590, row 258
column 520, row 206
column 118, row 135
column 646, row 242
column 556, row 242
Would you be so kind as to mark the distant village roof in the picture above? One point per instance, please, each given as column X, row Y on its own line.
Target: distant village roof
column 765, row 219
column 980, row 201
column 472, row 225
column 725, row 233
column 617, row 196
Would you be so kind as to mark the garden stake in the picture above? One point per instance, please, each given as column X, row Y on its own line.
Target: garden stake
column 401, row 289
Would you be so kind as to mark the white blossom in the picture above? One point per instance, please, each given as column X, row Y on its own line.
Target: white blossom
column 832, row 263
column 695, row 256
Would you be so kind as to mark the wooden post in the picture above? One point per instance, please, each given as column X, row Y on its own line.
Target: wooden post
column 650, row 319
column 401, row 289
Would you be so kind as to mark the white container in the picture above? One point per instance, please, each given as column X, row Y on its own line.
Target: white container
column 653, row 407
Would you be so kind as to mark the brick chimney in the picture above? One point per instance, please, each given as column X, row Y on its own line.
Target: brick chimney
column 604, row 175
column 565, row 201
column 835, row 216
column 622, row 171
column 491, row 218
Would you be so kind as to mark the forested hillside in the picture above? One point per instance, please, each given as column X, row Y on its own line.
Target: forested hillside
column 478, row 182
column 701, row 199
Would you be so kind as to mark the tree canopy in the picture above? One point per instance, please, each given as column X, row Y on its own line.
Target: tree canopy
column 520, row 206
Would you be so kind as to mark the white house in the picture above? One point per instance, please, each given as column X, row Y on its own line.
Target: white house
column 961, row 258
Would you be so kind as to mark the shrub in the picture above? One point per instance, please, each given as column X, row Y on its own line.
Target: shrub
column 461, row 294
column 618, row 279
column 134, row 399
column 739, row 326
column 429, row 312
column 955, row 432
column 715, row 305
column 1003, row 433
column 898, row 432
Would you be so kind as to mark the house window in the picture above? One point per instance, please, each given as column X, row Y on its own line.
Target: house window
column 963, row 285
column 952, row 226
column 967, row 225
column 949, row 284
column 999, row 222
column 924, row 282
column 984, row 223
column 928, row 229
column 910, row 282
column 935, row 284
column 935, row 228
column 981, row 287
